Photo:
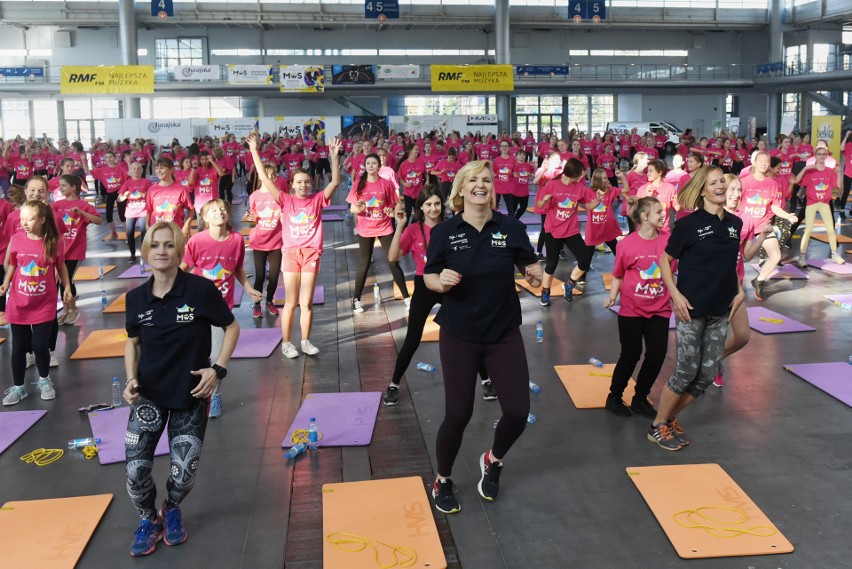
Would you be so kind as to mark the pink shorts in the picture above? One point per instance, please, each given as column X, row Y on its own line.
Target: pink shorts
column 301, row 260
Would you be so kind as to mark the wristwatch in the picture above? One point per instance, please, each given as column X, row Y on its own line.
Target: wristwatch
column 220, row 371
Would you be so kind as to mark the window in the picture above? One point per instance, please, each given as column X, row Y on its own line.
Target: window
column 198, row 107
column 46, row 118
column 602, row 112
column 795, row 58
column 415, row 106
column 16, row 118
column 180, row 51
column 791, row 106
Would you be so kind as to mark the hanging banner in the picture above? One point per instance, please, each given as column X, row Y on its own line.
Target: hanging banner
column 104, row 79
column 460, row 78
column 788, row 124
column 827, row 128
column 542, row 70
column 481, row 119
column 29, row 72
column 305, row 126
column 356, row 126
column 734, row 124
column 397, row 72
column 353, row 75
column 250, row 74
column 426, row 123
column 302, row 78
column 196, row 72
column 173, row 128
column 240, row 126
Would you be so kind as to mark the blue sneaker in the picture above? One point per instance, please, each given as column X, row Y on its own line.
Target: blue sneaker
column 175, row 533
column 569, row 292
column 215, row 406
column 145, row 540
column 545, row 297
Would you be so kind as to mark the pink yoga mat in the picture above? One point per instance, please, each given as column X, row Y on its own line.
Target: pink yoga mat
column 788, row 271
column 617, row 308
column 834, row 378
column 331, row 217
column 111, row 426
column 344, row 419
column 319, row 295
column 755, row 313
column 257, row 342
column 135, row 272
column 13, row 424
column 830, row 267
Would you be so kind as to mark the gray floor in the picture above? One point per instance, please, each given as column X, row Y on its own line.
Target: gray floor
column 565, row 499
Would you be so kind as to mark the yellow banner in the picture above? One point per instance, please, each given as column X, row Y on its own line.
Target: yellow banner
column 105, row 79
column 829, row 129
column 458, row 78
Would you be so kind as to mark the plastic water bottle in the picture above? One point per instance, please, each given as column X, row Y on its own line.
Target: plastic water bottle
column 425, row 367
column 103, row 300
column 531, row 419
column 141, row 264
column 116, row 393
column 534, row 387
column 845, row 305
column 85, row 442
column 313, row 434
column 100, row 270
column 850, row 360
column 539, row 332
column 596, row 362
column 377, row 294
column 295, row 451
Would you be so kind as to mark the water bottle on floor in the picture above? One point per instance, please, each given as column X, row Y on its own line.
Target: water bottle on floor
column 103, row 300
column 116, row 393
column 425, row 367
column 531, row 419
column 295, row 451
column 539, row 332
column 534, row 387
column 377, row 294
column 100, row 270
column 595, row 362
column 313, row 435
column 84, row 442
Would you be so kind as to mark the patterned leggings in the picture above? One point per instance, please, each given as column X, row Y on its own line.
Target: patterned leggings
column 186, row 435
column 700, row 345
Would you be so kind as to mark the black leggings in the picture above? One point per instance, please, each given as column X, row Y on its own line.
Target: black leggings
column 422, row 302
column 28, row 338
column 575, row 244
column 541, row 234
column 71, row 266
column 130, row 231
column 516, row 206
column 410, row 205
column 847, row 185
column 260, row 259
column 226, row 188
column 631, row 331
column 445, row 188
column 186, row 436
column 111, row 199
column 365, row 248
column 2, row 296
column 506, row 359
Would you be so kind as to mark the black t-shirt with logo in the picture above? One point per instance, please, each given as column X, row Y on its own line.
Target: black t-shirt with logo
column 484, row 305
column 174, row 333
column 706, row 248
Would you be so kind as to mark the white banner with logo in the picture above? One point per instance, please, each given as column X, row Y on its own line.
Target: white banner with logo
column 171, row 128
column 302, row 78
column 249, row 74
column 196, row 72
column 397, row 72
column 240, row 126
column 481, row 119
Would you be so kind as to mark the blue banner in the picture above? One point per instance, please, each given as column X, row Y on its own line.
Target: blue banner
column 381, row 10
column 769, row 69
column 542, row 70
column 162, row 8
column 21, row 72
column 580, row 10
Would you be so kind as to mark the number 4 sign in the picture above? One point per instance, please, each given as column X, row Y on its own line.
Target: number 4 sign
column 162, row 8
column 381, row 10
column 594, row 10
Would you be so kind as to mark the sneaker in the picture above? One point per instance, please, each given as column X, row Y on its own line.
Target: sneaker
column 837, row 259
column 643, row 407
column 257, row 311
column 309, row 349
column 215, row 409
column 61, row 318
column 72, row 317
column 445, row 500
column 289, row 350
column 391, row 396
column 489, row 484
column 545, row 297
column 174, row 533
column 719, row 381
column 488, row 391
column 53, row 361
column 407, row 302
column 3, row 320
column 663, row 436
column 357, row 307
column 758, row 288
column 616, row 406
column 272, row 309
column 563, row 256
column 45, row 385
column 145, row 540
column 541, row 257
column 30, row 360
column 15, row 395
column 801, row 262
column 678, row 433
column 132, row 260
column 568, row 291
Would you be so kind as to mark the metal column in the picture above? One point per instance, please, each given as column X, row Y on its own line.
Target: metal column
column 776, row 53
column 501, row 33
column 129, row 54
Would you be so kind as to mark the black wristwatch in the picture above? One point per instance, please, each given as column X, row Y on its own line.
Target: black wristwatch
column 220, row 371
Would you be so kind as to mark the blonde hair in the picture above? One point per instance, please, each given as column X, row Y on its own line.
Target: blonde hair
column 690, row 196
column 221, row 204
column 177, row 237
column 600, row 181
column 464, row 176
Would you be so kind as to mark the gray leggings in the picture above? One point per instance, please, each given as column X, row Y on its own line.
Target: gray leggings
column 700, row 344
column 186, row 435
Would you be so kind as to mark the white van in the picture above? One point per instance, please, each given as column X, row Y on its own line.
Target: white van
column 671, row 130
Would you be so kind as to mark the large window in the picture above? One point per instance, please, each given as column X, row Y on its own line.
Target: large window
column 796, row 58
column 84, row 118
column 791, row 106
column 15, row 118
column 198, row 107
column 180, row 51
column 450, row 105
column 46, row 118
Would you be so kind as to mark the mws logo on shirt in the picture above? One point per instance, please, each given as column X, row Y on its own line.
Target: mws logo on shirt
column 185, row 313
column 649, row 284
column 498, row 240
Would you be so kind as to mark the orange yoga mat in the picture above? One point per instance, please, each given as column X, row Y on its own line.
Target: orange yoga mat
column 90, row 273
column 245, row 231
column 703, row 495
column 431, row 332
column 607, row 280
column 588, row 386
column 555, row 288
column 396, row 292
column 117, row 305
column 122, row 236
column 48, row 534
column 2, row 340
column 102, row 344
column 822, row 237
column 368, row 520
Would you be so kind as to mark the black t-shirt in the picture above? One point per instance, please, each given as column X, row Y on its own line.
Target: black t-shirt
column 706, row 248
column 484, row 305
column 174, row 334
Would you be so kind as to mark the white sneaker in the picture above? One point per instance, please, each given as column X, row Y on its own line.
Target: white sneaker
column 802, row 262
column 357, row 307
column 407, row 302
column 30, row 360
column 289, row 350
column 15, row 395
column 309, row 349
column 71, row 317
column 45, row 385
column 837, row 259
column 53, row 361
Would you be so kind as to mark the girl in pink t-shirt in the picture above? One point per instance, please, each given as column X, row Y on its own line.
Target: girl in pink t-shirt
column 820, row 183
column 503, row 166
column 77, row 214
column 167, row 200
column 372, row 200
column 636, row 178
column 601, row 222
column 522, row 174
column 133, row 193
column 645, row 308
column 446, row 171
column 186, row 176
column 35, row 259
column 265, row 239
column 658, row 188
column 411, row 172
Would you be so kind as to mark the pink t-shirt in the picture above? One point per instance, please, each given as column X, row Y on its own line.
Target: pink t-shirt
column 677, row 178
column 206, row 186
column 32, row 290
column 414, row 242
column 411, row 174
column 6, row 209
column 666, row 193
column 378, row 196
column 266, row 234
column 182, row 177
column 111, row 178
column 301, row 220
column 76, row 223
column 634, row 182
column 607, row 162
column 561, row 217
column 503, row 179
column 637, row 263
column 819, row 185
column 167, row 203
column 758, row 198
column 847, row 159
column 746, row 235
column 524, row 172
column 135, row 190
column 217, row 261
column 602, row 224
column 448, row 169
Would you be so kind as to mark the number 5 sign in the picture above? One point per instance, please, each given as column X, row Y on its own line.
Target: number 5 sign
column 381, row 10
column 162, row 8
column 594, row 10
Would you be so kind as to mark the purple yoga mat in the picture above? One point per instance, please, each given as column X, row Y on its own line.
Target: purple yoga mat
column 834, row 378
column 755, row 313
column 531, row 219
column 788, row 271
column 841, row 298
column 238, row 293
column 344, row 419
column 135, row 272
column 616, row 308
column 331, row 217
column 257, row 342
column 111, row 426
column 830, row 267
column 13, row 424
column 335, row 208
column 319, row 295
